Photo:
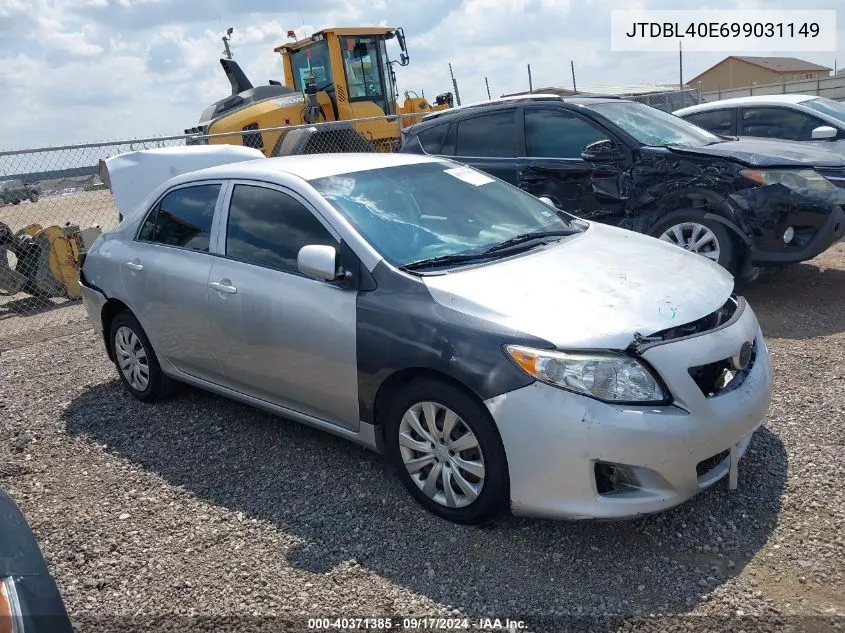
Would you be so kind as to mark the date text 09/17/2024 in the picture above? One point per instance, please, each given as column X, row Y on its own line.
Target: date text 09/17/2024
column 506, row 625
column 724, row 29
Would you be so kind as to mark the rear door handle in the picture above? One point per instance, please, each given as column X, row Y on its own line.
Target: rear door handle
column 134, row 266
column 221, row 287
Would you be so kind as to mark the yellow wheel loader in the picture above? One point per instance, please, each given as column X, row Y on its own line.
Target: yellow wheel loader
column 332, row 77
column 46, row 259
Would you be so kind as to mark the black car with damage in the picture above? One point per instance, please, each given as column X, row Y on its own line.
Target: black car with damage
column 744, row 203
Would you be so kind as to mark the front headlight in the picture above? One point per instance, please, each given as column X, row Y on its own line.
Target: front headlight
column 792, row 178
column 611, row 377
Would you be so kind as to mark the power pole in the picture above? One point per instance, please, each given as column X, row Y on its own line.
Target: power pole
column 572, row 66
column 486, row 83
column 530, row 84
column 680, row 67
column 455, row 85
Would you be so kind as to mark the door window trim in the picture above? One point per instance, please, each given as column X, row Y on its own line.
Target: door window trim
column 218, row 246
column 214, row 219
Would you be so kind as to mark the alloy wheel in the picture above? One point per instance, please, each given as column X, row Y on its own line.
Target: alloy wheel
column 695, row 238
column 441, row 454
column 132, row 358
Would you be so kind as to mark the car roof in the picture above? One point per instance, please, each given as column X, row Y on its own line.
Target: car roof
column 434, row 118
column 311, row 166
column 750, row 100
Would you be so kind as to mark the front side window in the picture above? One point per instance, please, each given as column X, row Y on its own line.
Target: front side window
column 268, row 228
column 653, row 127
column 558, row 134
column 491, row 135
column 716, row 121
column 183, row 218
column 783, row 123
column 312, row 61
column 415, row 212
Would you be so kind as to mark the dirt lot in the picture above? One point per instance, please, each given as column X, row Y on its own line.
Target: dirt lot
column 200, row 506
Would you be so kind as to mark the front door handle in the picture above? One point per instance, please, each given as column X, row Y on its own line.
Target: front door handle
column 221, row 287
column 134, row 266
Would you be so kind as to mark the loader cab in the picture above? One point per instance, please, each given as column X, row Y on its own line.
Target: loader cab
column 351, row 65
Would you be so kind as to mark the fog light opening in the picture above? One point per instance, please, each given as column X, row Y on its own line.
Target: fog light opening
column 615, row 478
column 788, row 234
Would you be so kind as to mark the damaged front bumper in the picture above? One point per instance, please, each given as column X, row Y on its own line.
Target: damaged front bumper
column 791, row 229
column 573, row 457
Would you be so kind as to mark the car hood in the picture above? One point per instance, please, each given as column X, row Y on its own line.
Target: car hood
column 595, row 289
column 760, row 152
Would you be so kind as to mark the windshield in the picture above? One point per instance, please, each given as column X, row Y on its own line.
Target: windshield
column 654, row 127
column 827, row 106
column 312, row 61
column 416, row 212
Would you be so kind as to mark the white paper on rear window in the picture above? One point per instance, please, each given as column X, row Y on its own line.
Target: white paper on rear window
column 469, row 175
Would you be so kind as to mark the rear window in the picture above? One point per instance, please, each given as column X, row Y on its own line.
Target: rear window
column 716, row 121
column 490, row 135
column 432, row 138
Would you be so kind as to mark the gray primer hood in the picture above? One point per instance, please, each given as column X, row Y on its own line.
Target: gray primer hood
column 596, row 289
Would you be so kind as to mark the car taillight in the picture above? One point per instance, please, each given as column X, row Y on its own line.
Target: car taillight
column 11, row 619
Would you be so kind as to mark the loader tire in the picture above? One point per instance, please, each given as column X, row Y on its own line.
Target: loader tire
column 136, row 361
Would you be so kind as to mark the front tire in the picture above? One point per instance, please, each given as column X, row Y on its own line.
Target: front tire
column 447, row 451
column 136, row 362
column 702, row 236
column 33, row 197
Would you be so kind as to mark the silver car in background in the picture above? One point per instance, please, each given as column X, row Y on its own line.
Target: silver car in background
column 502, row 354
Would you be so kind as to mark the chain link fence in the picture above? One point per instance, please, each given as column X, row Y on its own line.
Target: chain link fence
column 53, row 204
column 669, row 101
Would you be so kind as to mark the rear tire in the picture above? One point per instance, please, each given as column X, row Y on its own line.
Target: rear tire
column 33, row 197
column 703, row 236
column 136, row 361
column 453, row 464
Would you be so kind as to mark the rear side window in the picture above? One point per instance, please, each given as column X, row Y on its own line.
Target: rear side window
column 716, row 121
column 183, row 218
column 559, row 134
column 432, row 138
column 489, row 135
column 784, row 123
column 268, row 228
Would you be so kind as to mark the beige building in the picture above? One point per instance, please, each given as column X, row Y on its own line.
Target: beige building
column 741, row 72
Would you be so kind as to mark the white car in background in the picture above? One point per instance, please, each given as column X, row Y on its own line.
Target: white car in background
column 793, row 117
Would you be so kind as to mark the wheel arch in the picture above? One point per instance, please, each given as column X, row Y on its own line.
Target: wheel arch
column 703, row 203
column 111, row 309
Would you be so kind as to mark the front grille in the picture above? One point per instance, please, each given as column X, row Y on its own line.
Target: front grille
column 706, row 465
column 720, row 377
column 835, row 176
column 704, row 324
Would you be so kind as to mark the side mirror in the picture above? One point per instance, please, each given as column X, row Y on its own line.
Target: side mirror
column 823, row 132
column 319, row 261
column 603, row 151
column 548, row 201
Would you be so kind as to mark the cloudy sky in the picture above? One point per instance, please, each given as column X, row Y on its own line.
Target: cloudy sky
column 88, row 70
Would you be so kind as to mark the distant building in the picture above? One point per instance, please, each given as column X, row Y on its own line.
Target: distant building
column 741, row 72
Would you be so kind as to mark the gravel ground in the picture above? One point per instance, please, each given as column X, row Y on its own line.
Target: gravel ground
column 204, row 507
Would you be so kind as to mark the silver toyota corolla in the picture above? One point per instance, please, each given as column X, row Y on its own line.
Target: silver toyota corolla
column 502, row 354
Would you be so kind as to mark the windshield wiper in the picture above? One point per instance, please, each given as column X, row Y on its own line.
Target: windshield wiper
column 527, row 237
column 444, row 259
